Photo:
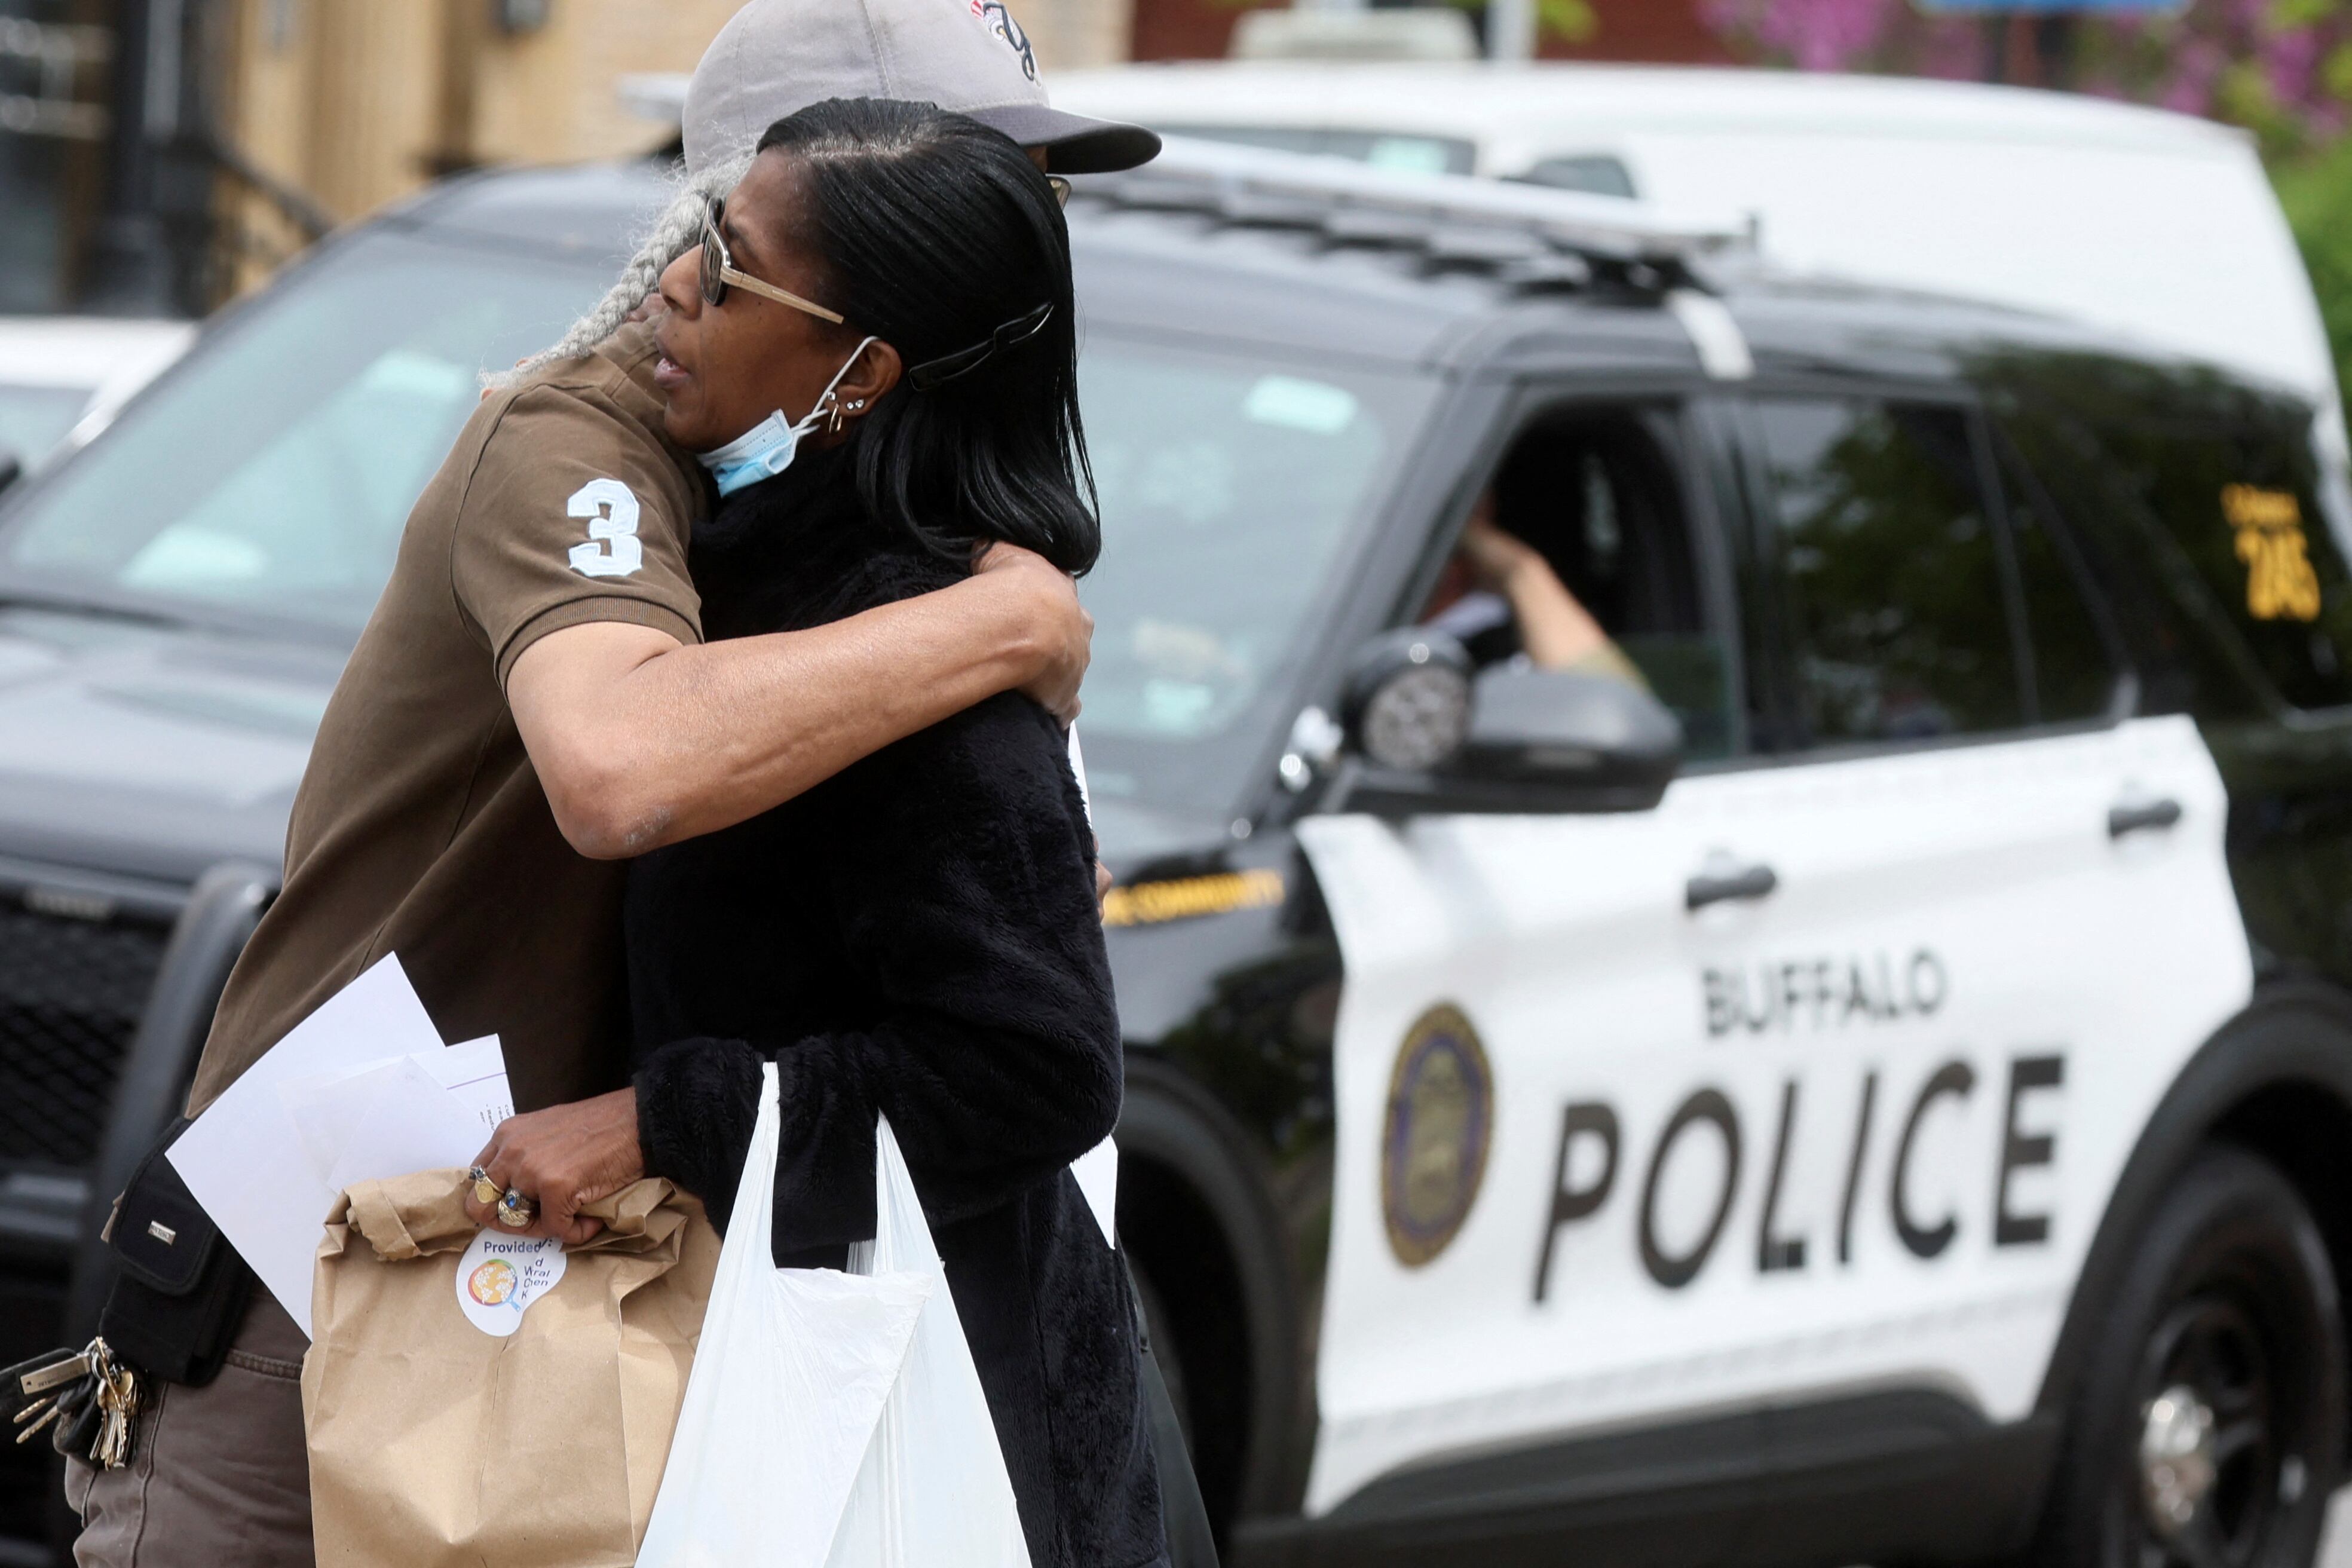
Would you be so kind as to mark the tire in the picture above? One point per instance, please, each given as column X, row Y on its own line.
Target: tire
column 2207, row 1428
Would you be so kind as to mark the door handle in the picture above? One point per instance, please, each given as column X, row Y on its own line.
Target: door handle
column 1743, row 883
column 2141, row 816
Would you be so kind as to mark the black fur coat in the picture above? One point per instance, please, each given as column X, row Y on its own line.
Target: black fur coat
column 917, row 937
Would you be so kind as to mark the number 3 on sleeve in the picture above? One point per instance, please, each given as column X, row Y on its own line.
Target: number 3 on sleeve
column 613, row 549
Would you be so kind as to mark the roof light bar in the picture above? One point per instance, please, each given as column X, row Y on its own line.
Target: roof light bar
column 1212, row 175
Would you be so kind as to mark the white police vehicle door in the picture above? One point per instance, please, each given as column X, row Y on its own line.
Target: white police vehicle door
column 1814, row 1079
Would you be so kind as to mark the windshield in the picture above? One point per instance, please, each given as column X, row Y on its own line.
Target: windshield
column 272, row 473
column 1231, row 491
column 33, row 419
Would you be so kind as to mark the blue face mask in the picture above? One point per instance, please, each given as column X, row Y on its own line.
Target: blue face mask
column 767, row 449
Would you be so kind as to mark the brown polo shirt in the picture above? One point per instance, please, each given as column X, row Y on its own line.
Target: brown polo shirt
column 420, row 828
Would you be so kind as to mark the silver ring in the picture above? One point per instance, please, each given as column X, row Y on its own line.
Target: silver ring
column 515, row 1211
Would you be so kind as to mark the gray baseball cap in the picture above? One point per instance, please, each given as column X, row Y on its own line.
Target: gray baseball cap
column 776, row 56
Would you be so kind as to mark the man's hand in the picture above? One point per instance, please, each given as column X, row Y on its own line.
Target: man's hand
column 562, row 1158
column 1062, row 631
column 1496, row 557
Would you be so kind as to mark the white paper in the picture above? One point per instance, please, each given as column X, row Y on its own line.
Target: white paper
column 1096, row 1169
column 387, row 1120
column 476, row 1073
column 1078, row 772
column 440, row 1104
column 246, row 1160
column 1098, row 1173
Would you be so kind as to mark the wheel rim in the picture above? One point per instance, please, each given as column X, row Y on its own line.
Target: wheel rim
column 2207, row 1474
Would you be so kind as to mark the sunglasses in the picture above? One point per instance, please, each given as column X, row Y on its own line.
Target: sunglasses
column 718, row 271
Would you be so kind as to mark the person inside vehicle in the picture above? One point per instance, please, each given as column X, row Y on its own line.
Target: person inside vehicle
column 917, row 937
column 1502, row 600
column 532, row 703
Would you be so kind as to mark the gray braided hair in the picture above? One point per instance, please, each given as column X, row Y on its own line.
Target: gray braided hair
column 675, row 231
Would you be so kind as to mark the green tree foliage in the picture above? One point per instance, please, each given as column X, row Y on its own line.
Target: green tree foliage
column 2317, row 192
column 2281, row 69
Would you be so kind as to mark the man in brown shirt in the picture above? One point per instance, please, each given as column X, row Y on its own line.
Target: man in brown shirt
column 530, row 705
column 537, row 647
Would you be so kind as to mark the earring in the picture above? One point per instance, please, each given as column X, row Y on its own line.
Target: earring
column 832, row 416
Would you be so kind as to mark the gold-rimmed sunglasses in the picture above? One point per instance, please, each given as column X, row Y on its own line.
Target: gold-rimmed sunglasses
column 718, row 271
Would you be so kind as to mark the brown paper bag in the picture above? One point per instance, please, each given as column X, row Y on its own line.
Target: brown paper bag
column 434, row 1443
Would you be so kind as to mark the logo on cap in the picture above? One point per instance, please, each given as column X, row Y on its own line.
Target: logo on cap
column 999, row 21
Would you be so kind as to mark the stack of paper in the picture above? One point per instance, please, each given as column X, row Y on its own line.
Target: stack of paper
column 362, row 1090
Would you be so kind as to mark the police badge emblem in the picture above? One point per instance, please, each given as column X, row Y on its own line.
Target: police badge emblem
column 1441, row 1119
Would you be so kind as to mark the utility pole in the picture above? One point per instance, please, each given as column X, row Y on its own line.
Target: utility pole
column 1996, row 46
column 130, row 267
column 1511, row 29
column 2055, row 39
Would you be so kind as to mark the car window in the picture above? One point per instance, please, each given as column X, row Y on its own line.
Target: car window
column 1231, row 491
column 1595, row 491
column 273, row 472
column 2074, row 664
column 2238, row 504
column 1890, row 572
column 1599, row 174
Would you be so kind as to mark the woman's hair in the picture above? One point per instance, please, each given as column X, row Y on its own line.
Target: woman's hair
column 937, row 236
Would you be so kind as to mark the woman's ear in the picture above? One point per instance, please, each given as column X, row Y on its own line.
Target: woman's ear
column 875, row 372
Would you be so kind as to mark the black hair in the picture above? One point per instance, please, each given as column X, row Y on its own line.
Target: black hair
column 934, row 231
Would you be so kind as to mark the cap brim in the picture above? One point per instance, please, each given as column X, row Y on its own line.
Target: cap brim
column 1073, row 143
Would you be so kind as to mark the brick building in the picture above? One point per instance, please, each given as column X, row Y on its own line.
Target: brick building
column 156, row 154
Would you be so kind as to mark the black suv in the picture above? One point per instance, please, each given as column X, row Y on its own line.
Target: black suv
column 1876, row 1087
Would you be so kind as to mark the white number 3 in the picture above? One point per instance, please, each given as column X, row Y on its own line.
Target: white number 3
column 613, row 549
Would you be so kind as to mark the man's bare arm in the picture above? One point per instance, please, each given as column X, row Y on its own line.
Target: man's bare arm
column 640, row 741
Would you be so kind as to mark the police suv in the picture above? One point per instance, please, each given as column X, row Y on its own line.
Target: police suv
column 1877, row 1087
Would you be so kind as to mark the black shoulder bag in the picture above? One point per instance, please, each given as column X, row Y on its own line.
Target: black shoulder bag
column 178, row 1297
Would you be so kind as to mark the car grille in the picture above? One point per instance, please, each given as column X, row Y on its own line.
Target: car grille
column 71, row 992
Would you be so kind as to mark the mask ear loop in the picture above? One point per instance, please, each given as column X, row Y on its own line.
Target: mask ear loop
column 827, row 403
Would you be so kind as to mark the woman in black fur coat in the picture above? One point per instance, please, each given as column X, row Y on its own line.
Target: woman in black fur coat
column 917, row 937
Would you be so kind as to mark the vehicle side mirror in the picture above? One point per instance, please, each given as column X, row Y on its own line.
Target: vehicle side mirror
column 1425, row 732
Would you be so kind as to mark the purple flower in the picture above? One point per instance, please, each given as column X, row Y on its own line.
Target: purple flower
column 1813, row 35
column 2288, row 60
column 2180, row 60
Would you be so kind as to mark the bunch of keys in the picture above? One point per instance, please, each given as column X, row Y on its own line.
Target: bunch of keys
column 92, row 1397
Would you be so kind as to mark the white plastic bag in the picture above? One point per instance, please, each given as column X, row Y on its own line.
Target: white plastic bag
column 790, row 1379
column 833, row 1420
column 933, row 1492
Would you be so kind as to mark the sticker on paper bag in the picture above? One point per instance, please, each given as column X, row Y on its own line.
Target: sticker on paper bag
column 500, row 1275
